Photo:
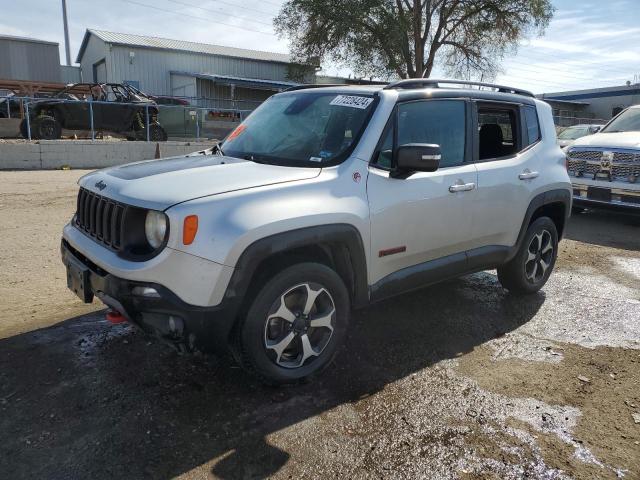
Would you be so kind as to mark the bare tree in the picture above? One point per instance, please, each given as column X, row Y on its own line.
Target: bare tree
column 406, row 38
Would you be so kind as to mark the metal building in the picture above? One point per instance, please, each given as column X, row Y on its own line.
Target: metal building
column 29, row 59
column 234, row 77
column 596, row 103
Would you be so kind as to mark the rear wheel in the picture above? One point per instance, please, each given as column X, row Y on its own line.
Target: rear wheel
column 46, row 128
column 295, row 324
column 530, row 269
column 156, row 133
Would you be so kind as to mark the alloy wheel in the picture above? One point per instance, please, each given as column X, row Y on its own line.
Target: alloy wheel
column 539, row 256
column 300, row 325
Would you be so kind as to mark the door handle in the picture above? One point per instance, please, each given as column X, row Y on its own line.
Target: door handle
column 461, row 187
column 528, row 175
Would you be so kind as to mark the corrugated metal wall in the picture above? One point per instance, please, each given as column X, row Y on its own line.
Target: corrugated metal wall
column 96, row 51
column 245, row 98
column 70, row 74
column 29, row 60
column 151, row 67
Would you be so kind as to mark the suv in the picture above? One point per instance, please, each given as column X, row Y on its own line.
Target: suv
column 322, row 200
column 605, row 167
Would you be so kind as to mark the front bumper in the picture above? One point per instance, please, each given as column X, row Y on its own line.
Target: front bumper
column 186, row 326
column 606, row 195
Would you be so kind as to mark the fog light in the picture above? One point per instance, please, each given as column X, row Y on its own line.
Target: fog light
column 145, row 292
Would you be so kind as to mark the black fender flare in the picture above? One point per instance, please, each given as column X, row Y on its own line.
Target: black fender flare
column 336, row 236
column 563, row 196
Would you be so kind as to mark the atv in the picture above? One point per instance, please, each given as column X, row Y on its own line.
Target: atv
column 114, row 107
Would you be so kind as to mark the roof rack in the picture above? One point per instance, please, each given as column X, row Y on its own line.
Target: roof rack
column 435, row 83
column 318, row 85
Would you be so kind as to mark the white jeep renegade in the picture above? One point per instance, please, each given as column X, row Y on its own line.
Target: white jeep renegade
column 323, row 200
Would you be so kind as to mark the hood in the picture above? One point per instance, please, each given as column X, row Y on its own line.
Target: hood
column 612, row 140
column 565, row 142
column 159, row 184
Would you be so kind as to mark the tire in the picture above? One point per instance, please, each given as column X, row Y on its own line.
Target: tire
column 282, row 351
column 156, row 133
column 525, row 273
column 46, row 128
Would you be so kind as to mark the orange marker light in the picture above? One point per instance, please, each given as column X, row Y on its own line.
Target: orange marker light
column 190, row 229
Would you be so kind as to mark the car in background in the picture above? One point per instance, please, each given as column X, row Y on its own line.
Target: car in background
column 605, row 167
column 112, row 107
column 165, row 100
column 569, row 135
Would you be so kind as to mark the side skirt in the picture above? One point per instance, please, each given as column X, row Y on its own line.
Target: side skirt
column 438, row 270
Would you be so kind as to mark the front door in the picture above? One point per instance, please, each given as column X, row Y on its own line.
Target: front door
column 426, row 216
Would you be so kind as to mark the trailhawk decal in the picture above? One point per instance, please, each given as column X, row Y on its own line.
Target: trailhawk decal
column 352, row 101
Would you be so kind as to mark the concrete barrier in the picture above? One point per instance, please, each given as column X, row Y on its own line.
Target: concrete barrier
column 54, row 154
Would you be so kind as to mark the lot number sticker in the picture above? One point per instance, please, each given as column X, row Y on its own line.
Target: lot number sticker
column 352, row 101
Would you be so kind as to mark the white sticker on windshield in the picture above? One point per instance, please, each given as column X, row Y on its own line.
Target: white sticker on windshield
column 352, row 101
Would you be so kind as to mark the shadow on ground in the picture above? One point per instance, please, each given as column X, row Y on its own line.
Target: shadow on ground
column 84, row 399
column 606, row 229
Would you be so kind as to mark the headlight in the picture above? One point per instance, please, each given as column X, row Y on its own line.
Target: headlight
column 155, row 228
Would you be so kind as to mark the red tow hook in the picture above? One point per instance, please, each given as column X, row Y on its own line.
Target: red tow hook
column 115, row 317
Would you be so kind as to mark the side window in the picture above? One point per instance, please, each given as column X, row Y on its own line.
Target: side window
column 533, row 127
column 440, row 122
column 497, row 132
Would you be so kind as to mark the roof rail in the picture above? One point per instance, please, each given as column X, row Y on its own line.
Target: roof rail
column 435, row 83
column 318, row 85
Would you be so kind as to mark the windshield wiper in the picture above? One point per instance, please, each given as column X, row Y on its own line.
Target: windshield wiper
column 217, row 149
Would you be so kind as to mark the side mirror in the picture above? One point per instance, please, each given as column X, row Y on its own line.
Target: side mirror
column 418, row 157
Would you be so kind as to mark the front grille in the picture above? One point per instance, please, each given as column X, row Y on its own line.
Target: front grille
column 586, row 155
column 100, row 218
column 624, row 167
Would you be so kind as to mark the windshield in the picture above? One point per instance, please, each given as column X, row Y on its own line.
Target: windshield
column 573, row 133
column 627, row 121
column 301, row 129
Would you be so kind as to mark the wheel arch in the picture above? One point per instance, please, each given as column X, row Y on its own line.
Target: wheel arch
column 555, row 204
column 338, row 246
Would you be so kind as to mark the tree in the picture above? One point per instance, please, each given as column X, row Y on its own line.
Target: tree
column 406, row 37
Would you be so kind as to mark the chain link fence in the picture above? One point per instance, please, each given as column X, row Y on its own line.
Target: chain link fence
column 36, row 118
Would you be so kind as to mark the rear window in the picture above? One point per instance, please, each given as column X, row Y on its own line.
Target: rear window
column 532, row 125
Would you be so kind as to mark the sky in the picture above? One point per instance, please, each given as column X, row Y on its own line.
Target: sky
column 588, row 44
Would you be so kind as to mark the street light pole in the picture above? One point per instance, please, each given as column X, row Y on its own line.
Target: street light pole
column 66, row 32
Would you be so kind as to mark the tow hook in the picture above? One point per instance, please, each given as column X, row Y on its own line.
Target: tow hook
column 115, row 317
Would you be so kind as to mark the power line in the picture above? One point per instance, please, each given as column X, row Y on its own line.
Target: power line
column 205, row 19
column 269, row 24
column 243, row 7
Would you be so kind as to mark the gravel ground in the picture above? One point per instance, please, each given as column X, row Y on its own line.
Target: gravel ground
column 460, row 380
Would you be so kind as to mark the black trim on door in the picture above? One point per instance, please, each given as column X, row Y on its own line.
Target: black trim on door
column 482, row 258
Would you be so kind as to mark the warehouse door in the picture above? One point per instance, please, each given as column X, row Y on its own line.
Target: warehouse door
column 100, row 71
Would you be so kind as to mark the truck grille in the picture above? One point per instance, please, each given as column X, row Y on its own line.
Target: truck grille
column 100, row 218
column 624, row 167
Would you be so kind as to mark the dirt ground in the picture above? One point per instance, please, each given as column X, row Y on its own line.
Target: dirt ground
column 460, row 380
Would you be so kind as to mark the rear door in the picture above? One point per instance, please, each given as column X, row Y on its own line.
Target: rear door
column 507, row 136
column 427, row 215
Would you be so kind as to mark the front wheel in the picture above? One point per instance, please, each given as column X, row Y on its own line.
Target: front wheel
column 295, row 324
column 530, row 269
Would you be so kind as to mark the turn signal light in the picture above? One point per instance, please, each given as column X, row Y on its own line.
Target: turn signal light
column 190, row 229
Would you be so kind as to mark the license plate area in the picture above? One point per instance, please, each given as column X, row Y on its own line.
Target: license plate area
column 78, row 279
column 600, row 194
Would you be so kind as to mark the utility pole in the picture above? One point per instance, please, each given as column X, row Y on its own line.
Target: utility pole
column 66, row 32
